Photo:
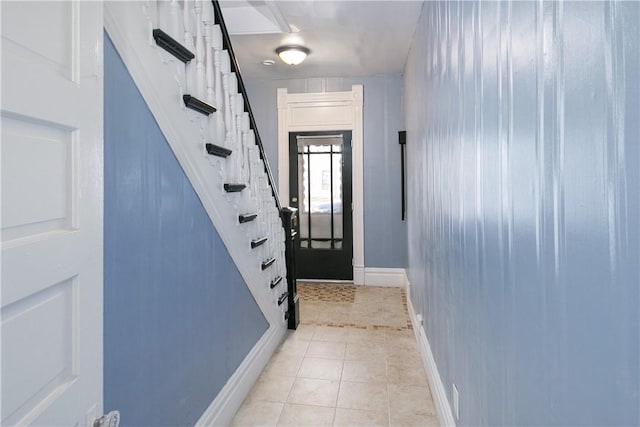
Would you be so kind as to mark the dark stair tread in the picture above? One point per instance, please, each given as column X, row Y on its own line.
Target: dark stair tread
column 234, row 188
column 257, row 242
column 283, row 298
column 198, row 105
column 247, row 217
column 216, row 150
column 275, row 282
column 172, row 46
column 267, row 263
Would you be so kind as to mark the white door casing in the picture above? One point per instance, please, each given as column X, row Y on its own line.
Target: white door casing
column 326, row 111
column 52, row 195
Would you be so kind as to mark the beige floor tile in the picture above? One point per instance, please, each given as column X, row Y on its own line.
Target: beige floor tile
column 391, row 335
column 389, row 292
column 306, row 415
column 364, row 396
column 395, row 307
column 319, row 368
column 400, row 374
column 358, row 418
column 272, row 389
column 365, row 351
column 339, row 306
column 367, row 301
column 293, row 347
column 413, row 362
column 368, row 371
column 322, row 305
column 399, row 356
column 326, row 333
column 352, row 350
column 326, row 349
column 258, row 414
column 282, row 365
column 306, row 391
column 324, row 317
column 393, row 319
column 407, row 400
column 401, row 340
column 380, row 321
column 340, row 317
column 415, row 420
column 361, row 319
column 367, row 336
column 302, row 333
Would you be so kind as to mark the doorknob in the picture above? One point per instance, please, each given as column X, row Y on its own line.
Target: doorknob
column 294, row 200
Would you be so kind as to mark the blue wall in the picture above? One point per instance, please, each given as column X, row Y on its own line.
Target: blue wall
column 384, row 231
column 523, row 140
column 178, row 317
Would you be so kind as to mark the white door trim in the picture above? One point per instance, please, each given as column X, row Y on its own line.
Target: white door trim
column 299, row 112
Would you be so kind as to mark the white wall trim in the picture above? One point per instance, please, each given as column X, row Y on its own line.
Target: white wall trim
column 394, row 277
column 228, row 401
column 440, row 400
column 298, row 112
column 358, row 274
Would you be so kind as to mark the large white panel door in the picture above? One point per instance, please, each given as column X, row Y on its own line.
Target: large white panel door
column 51, row 293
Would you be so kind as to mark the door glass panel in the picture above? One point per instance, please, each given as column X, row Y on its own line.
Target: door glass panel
column 303, row 216
column 320, row 191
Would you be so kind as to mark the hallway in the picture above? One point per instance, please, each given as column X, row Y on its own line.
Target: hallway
column 353, row 361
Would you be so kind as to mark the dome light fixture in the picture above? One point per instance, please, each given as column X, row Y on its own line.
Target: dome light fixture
column 292, row 54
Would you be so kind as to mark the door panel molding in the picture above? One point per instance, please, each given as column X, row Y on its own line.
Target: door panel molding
column 300, row 112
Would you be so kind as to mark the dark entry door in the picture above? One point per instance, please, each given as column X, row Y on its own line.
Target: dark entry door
column 320, row 187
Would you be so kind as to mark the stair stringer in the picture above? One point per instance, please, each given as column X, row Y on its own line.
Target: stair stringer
column 154, row 73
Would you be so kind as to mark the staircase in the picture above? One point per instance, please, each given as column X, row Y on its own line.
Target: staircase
column 179, row 55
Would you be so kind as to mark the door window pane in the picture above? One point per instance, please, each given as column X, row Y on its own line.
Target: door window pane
column 320, row 191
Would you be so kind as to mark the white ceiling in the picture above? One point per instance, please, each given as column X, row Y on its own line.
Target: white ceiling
column 346, row 38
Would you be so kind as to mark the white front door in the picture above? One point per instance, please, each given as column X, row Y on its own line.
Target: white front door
column 51, row 149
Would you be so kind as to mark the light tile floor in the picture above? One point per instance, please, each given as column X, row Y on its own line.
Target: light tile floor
column 353, row 361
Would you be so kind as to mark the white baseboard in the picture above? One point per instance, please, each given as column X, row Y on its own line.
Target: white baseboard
column 228, row 401
column 374, row 276
column 358, row 274
column 440, row 400
column 371, row 276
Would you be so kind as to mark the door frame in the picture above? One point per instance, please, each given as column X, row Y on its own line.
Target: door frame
column 326, row 111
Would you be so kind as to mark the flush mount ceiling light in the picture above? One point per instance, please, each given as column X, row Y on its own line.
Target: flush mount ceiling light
column 292, row 54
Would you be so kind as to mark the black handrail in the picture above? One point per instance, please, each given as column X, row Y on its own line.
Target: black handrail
column 226, row 44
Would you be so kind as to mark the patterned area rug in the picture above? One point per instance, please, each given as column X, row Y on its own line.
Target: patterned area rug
column 327, row 293
column 362, row 307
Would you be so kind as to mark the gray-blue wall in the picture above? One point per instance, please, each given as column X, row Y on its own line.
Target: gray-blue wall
column 178, row 317
column 524, row 186
column 384, row 231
